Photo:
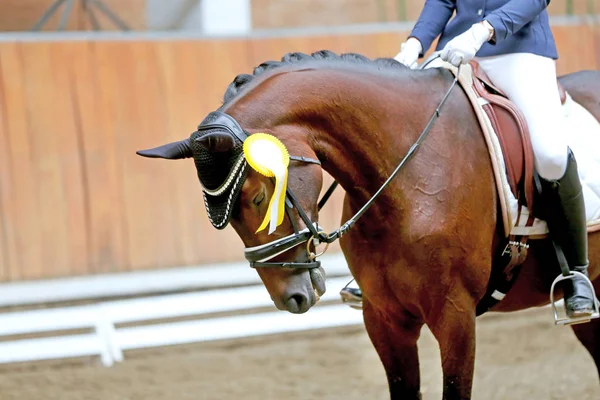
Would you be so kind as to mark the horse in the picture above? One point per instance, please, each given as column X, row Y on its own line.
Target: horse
column 422, row 250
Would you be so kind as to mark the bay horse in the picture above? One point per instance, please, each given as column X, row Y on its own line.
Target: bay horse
column 422, row 252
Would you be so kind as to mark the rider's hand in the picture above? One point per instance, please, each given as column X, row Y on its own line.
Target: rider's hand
column 464, row 47
column 409, row 52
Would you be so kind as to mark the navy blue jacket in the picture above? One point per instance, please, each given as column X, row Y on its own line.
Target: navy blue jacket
column 521, row 25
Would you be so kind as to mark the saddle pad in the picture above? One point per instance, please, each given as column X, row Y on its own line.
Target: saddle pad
column 583, row 137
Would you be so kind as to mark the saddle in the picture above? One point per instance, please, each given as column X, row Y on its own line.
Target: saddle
column 513, row 134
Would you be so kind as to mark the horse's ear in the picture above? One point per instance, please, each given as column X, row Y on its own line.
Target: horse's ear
column 170, row 151
column 217, row 142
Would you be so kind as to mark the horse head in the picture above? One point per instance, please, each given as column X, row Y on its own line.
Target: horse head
column 241, row 184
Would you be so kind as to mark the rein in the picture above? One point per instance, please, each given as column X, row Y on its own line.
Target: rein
column 350, row 223
column 259, row 255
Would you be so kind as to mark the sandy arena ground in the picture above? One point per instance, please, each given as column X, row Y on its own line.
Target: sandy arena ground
column 520, row 356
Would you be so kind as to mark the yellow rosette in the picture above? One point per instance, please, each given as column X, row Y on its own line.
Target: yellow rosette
column 269, row 157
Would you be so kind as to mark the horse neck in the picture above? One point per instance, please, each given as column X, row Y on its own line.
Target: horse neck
column 359, row 125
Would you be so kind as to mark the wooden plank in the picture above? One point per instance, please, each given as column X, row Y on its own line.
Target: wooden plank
column 49, row 209
column 586, row 7
column 232, row 58
column 296, row 14
column 122, row 121
column 560, row 38
column 413, row 10
column 263, row 50
column 371, row 46
column 596, row 48
column 585, row 41
column 388, row 43
column 5, row 182
column 147, row 186
column 56, row 159
column 573, row 44
column 99, row 166
column 21, row 206
column 594, row 44
column 274, row 49
column 269, row 14
column 311, row 44
column 109, row 237
column 65, row 57
column 353, row 43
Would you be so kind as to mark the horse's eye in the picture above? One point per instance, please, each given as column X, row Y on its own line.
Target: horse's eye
column 259, row 198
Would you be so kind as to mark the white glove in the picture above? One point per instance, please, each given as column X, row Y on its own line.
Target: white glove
column 464, row 47
column 409, row 52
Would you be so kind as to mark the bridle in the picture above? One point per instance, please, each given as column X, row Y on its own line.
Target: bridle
column 260, row 256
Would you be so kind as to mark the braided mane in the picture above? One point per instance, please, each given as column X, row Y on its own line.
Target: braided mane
column 242, row 80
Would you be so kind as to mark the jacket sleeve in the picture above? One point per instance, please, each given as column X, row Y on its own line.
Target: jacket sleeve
column 511, row 17
column 434, row 17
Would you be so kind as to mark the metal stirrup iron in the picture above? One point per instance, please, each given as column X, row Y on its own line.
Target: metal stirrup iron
column 566, row 275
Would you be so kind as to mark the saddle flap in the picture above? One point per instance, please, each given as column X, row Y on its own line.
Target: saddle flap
column 513, row 135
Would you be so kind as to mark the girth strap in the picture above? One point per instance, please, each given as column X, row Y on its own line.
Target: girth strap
column 506, row 267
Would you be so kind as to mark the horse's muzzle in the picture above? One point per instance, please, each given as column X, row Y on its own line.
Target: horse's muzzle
column 303, row 290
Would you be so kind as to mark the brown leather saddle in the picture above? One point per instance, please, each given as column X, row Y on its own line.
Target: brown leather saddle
column 513, row 135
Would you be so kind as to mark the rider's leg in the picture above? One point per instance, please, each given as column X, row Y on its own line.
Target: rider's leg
column 529, row 81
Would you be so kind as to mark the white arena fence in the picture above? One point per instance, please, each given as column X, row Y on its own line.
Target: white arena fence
column 208, row 291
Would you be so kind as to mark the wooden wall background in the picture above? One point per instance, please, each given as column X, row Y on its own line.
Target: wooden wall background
column 21, row 15
column 268, row 14
column 74, row 197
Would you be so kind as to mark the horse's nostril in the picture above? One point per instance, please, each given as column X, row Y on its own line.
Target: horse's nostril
column 300, row 299
column 297, row 303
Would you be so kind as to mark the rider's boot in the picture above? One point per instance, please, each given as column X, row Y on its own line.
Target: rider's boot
column 566, row 221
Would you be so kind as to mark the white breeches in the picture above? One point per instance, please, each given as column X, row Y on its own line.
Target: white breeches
column 529, row 81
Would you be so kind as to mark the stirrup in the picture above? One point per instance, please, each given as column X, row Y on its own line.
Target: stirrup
column 575, row 320
column 349, row 298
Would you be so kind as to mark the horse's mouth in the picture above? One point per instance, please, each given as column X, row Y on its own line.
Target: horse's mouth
column 317, row 279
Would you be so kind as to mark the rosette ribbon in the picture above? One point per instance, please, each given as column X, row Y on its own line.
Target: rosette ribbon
column 268, row 156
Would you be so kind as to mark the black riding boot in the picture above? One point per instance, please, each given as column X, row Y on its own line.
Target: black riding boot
column 566, row 219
